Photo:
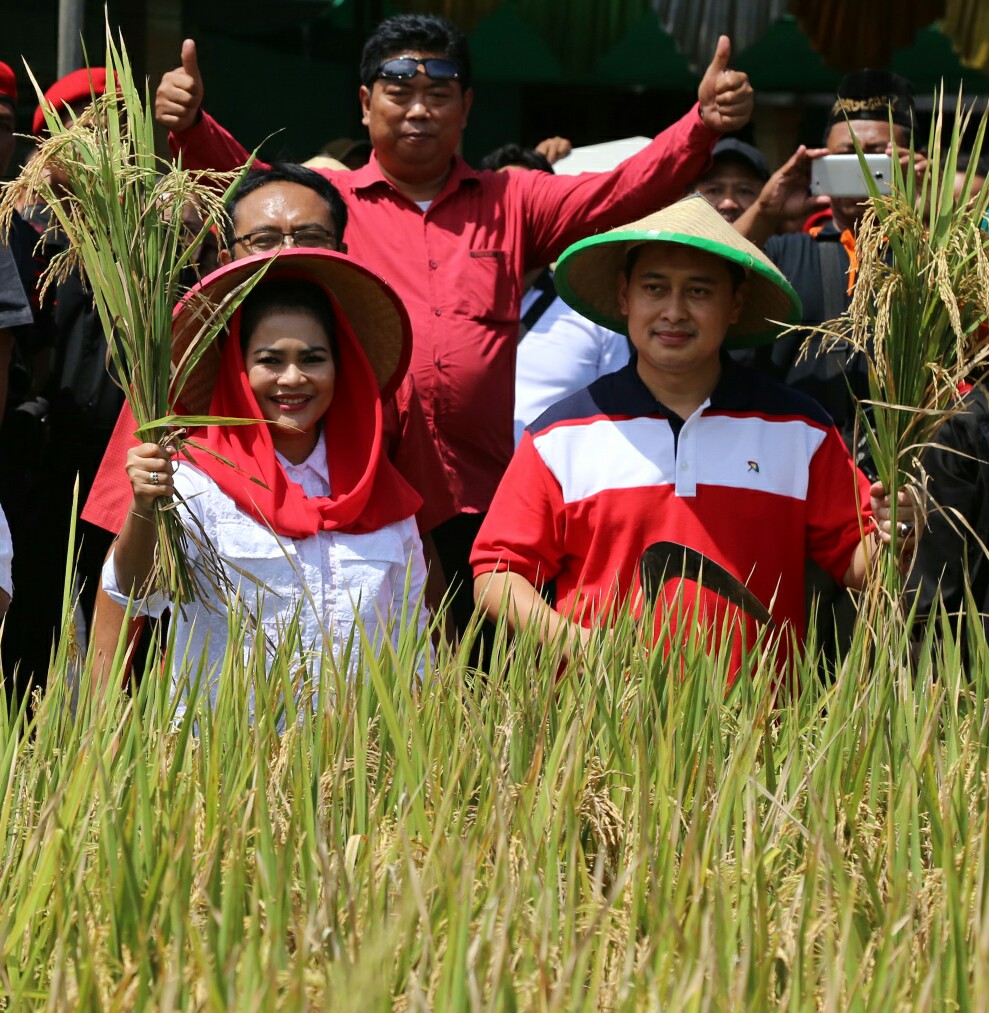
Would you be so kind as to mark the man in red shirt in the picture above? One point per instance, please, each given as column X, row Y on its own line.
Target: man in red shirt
column 456, row 243
column 681, row 445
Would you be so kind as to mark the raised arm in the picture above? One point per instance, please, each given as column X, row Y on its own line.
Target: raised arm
column 195, row 135
column 785, row 196
column 563, row 209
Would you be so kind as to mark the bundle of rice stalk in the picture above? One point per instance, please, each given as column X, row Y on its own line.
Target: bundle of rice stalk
column 125, row 216
column 921, row 301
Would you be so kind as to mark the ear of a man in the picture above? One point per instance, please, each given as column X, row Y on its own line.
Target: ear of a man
column 468, row 102
column 365, row 100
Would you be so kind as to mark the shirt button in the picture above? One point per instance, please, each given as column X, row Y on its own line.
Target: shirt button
column 433, row 265
column 685, row 466
column 438, row 312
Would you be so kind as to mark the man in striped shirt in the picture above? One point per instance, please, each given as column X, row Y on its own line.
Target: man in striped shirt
column 681, row 445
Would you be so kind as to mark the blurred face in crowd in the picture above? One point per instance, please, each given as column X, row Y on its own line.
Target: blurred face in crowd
column 874, row 137
column 415, row 124
column 282, row 207
column 731, row 186
column 6, row 135
column 680, row 302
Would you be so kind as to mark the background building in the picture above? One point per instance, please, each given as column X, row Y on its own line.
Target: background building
column 590, row 70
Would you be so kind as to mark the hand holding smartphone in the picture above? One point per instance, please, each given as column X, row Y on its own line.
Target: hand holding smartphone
column 841, row 175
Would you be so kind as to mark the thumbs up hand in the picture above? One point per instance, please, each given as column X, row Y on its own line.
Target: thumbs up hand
column 725, row 95
column 180, row 93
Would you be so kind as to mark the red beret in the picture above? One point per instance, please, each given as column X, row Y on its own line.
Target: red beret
column 8, row 84
column 72, row 88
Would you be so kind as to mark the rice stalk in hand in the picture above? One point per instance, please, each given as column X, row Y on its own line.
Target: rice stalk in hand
column 133, row 224
column 920, row 303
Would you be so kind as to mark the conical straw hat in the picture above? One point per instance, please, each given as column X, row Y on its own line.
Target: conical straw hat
column 377, row 316
column 588, row 272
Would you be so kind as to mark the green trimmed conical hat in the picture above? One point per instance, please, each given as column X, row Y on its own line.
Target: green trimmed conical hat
column 587, row 273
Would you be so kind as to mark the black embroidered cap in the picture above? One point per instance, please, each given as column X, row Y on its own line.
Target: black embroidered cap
column 873, row 95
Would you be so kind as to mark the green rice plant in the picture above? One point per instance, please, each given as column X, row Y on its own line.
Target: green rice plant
column 133, row 223
column 622, row 834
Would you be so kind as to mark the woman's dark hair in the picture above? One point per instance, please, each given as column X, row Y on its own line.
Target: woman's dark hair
column 736, row 271
column 291, row 295
column 426, row 33
column 515, row 154
column 288, row 172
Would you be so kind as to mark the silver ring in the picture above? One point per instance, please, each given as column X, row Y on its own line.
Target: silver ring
column 153, row 476
column 904, row 527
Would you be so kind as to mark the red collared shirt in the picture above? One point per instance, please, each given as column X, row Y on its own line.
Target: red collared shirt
column 458, row 267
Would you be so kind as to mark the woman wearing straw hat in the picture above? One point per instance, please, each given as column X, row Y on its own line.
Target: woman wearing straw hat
column 311, row 522
column 682, row 445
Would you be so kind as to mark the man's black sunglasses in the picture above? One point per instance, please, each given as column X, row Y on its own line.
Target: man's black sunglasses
column 404, row 68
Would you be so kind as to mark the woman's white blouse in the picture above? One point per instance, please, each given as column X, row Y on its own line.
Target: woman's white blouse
column 326, row 579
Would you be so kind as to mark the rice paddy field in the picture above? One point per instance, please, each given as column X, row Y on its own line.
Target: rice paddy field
column 618, row 835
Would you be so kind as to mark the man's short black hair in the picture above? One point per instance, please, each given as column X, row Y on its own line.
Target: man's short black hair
column 736, row 271
column 425, row 33
column 515, row 154
column 292, row 295
column 289, row 172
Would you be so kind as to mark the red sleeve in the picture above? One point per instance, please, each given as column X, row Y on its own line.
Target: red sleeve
column 412, row 450
column 111, row 496
column 838, row 512
column 525, row 525
column 207, row 145
column 562, row 209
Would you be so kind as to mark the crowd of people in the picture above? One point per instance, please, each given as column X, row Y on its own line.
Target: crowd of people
column 442, row 415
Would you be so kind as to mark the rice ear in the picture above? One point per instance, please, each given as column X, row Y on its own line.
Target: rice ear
column 121, row 211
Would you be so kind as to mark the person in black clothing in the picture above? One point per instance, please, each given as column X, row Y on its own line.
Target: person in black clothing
column 73, row 418
column 951, row 555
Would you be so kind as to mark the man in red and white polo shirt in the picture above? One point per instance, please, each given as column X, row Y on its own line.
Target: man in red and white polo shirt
column 681, row 445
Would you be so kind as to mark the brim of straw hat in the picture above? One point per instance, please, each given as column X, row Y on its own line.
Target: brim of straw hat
column 325, row 162
column 377, row 316
column 588, row 272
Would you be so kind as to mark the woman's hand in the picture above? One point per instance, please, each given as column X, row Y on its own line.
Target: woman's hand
column 149, row 468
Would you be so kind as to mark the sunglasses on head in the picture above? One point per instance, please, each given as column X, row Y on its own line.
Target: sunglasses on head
column 403, row 68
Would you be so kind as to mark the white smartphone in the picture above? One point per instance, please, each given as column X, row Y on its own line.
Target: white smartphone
column 841, row 175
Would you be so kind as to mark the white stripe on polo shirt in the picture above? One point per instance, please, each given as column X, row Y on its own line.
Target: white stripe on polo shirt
column 743, row 452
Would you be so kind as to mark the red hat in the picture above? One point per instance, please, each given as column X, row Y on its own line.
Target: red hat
column 8, row 84
column 74, row 87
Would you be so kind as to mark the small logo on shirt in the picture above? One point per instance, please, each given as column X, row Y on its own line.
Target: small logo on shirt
column 754, row 466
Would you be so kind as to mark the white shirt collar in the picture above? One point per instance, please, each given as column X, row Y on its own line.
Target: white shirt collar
column 313, row 467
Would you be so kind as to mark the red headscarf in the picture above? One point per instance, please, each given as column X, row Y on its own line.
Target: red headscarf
column 367, row 492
